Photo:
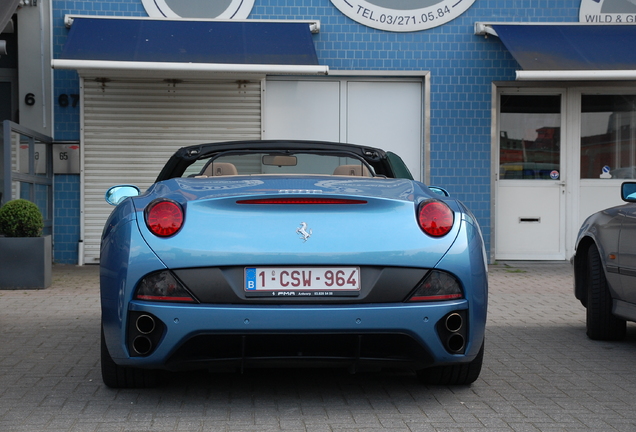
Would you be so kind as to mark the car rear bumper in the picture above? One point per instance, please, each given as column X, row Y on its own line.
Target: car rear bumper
column 413, row 335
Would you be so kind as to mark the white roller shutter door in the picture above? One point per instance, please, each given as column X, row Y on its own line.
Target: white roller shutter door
column 131, row 128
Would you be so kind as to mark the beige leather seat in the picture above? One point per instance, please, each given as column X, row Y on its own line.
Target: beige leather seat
column 220, row 169
column 352, row 170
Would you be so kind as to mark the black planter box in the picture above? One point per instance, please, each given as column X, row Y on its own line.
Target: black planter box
column 25, row 262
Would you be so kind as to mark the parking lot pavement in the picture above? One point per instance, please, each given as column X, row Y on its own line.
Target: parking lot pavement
column 541, row 373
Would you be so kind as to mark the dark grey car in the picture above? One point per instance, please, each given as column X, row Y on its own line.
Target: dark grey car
column 605, row 268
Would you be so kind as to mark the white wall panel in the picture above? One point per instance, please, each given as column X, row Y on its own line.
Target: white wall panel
column 387, row 115
column 308, row 110
column 383, row 113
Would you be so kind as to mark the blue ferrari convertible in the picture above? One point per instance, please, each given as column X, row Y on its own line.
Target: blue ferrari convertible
column 285, row 254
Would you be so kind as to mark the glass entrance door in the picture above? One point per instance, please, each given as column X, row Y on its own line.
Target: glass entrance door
column 530, row 185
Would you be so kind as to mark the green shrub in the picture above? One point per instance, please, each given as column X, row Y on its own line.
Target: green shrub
column 21, row 218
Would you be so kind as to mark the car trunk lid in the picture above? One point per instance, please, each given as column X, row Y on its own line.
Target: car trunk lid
column 305, row 220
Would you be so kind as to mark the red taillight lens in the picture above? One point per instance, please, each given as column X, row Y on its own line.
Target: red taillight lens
column 164, row 218
column 435, row 218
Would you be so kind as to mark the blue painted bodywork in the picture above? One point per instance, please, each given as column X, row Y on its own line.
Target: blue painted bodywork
column 218, row 232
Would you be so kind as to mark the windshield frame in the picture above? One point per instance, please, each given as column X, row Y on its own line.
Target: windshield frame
column 229, row 153
column 186, row 156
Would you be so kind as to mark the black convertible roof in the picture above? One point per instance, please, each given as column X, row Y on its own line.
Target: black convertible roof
column 185, row 156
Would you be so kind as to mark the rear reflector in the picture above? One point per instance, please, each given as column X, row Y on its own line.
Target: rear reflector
column 301, row 201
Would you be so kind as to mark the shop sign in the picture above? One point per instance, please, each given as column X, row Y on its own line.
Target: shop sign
column 402, row 15
column 219, row 9
column 608, row 11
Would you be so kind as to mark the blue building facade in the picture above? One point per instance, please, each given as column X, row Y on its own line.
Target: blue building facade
column 462, row 67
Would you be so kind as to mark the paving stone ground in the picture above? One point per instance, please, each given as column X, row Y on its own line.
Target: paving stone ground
column 540, row 373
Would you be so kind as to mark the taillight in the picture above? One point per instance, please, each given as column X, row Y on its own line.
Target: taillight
column 435, row 218
column 164, row 218
column 162, row 286
column 437, row 286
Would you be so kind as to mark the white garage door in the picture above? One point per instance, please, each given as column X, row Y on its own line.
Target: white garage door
column 131, row 128
column 382, row 113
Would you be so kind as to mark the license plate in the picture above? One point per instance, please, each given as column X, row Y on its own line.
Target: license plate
column 302, row 281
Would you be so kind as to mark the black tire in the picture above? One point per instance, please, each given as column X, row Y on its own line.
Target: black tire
column 460, row 374
column 601, row 324
column 115, row 376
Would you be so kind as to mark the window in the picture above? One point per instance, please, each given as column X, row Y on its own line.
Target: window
column 530, row 137
column 608, row 147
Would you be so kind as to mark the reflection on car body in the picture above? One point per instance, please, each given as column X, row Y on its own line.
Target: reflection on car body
column 330, row 255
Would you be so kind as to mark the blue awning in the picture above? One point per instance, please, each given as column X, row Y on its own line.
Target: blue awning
column 156, row 44
column 562, row 51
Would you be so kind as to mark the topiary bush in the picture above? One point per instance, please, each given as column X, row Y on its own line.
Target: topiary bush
column 21, row 218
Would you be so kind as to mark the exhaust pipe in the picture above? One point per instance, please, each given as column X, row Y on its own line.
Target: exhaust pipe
column 453, row 331
column 455, row 342
column 454, row 322
column 142, row 345
column 145, row 324
column 143, row 333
